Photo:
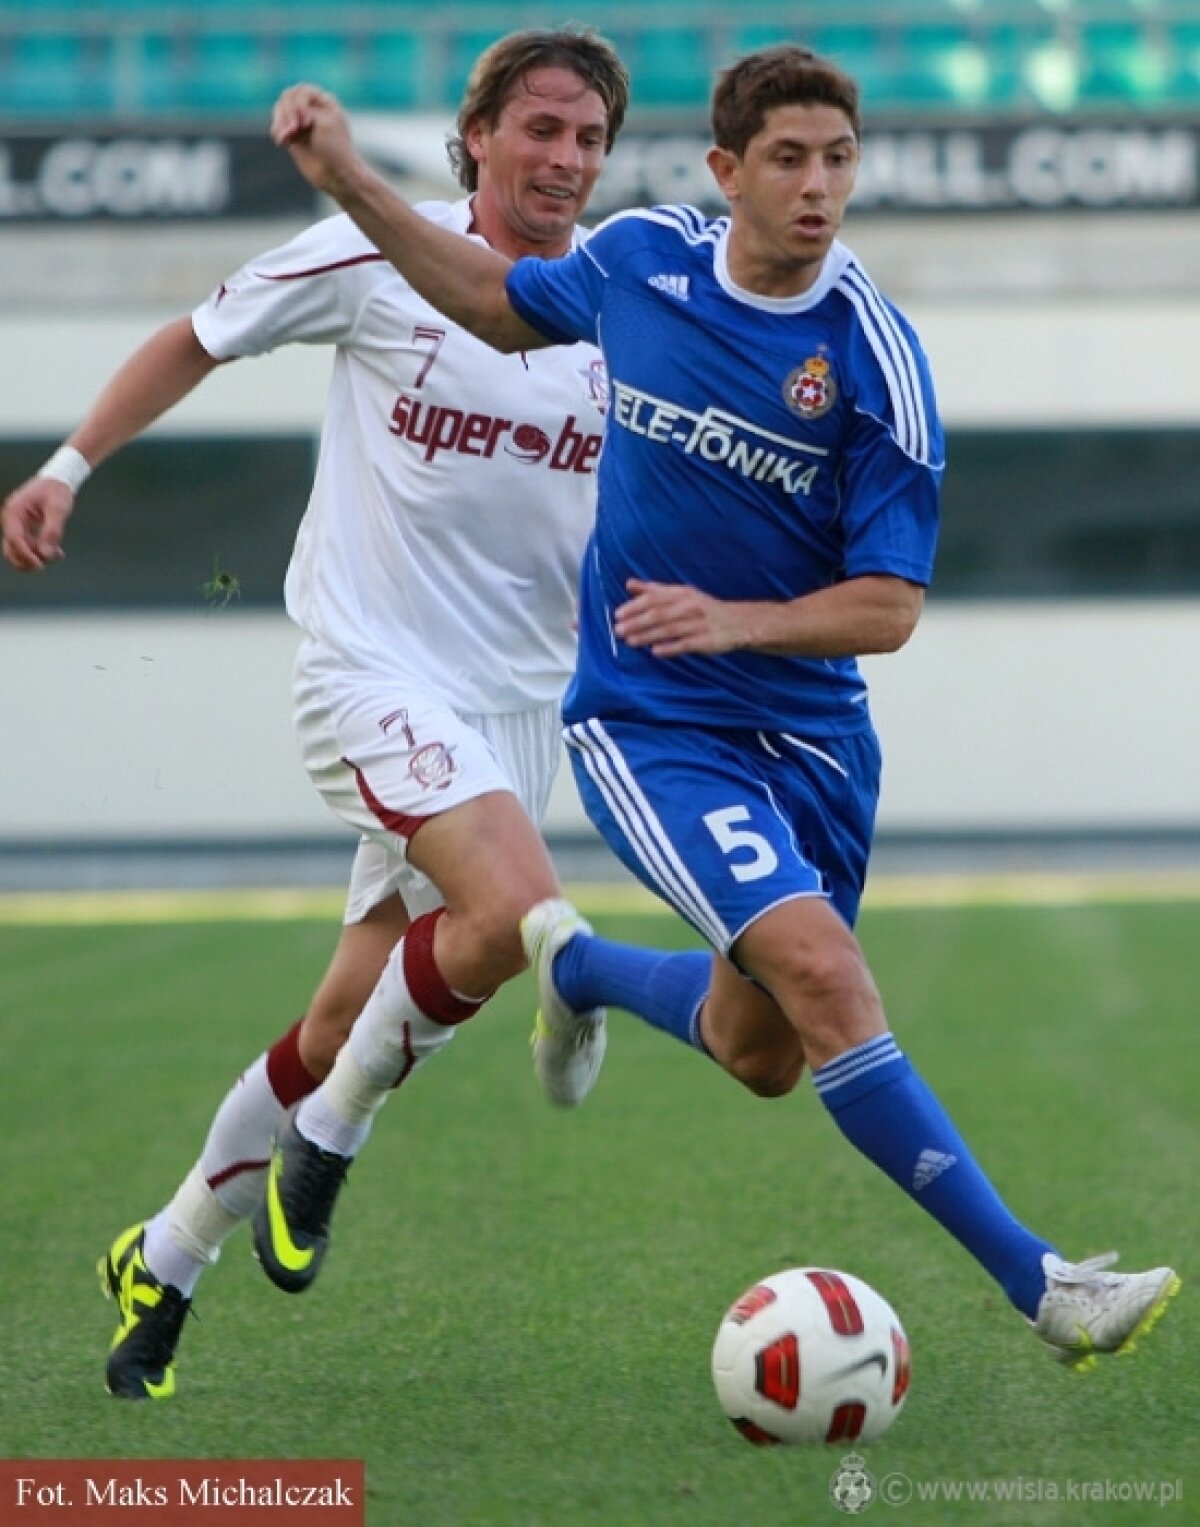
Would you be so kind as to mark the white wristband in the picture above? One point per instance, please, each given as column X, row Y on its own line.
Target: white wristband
column 68, row 466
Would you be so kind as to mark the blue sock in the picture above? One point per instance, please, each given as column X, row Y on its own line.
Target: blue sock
column 884, row 1109
column 665, row 989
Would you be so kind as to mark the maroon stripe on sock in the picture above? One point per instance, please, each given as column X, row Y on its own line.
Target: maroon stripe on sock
column 235, row 1170
column 289, row 1077
column 426, row 985
column 410, row 1058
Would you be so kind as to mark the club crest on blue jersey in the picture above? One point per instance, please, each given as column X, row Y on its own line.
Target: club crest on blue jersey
column 810, row 390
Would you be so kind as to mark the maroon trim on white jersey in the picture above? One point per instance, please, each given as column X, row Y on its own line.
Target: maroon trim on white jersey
column 399, row 822
column 319, row 270
column 455, row 488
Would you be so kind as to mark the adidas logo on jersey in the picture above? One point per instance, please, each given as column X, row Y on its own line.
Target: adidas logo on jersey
column 674, row 286
column 931, row 1164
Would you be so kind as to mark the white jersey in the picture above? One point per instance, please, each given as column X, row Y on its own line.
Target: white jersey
column 455, row 487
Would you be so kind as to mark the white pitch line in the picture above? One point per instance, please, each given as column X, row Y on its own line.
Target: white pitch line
column 1032, row 889
column 885, row 893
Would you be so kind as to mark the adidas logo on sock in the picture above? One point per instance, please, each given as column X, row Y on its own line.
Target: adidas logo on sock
column 931, row 1164
column 674, row 286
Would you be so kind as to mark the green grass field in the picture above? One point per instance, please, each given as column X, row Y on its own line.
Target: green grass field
column 515, row 1321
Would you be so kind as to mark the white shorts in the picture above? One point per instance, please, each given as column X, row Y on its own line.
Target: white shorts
column 386, row 755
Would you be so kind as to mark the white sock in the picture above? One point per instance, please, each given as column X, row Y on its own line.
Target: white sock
column 391, row 1037
column 238, row 1148
column 339, row 1115
column 186, row 1236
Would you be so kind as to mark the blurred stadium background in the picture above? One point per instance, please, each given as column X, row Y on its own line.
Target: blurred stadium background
column 1030, row 195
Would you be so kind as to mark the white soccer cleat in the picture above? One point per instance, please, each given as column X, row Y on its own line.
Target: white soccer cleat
column 1087, row 1310
column 568, row 1047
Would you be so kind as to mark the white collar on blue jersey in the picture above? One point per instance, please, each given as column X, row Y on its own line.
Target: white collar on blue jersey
column 835, row 263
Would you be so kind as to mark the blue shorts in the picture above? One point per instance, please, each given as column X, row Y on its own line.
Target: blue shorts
column 725, row 825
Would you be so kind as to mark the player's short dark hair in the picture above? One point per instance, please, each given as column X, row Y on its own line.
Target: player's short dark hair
column 786, row 75
column 500, row 69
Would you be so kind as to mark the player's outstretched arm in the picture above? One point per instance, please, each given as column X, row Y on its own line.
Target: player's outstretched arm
column 165, row 369
column 463, row 280
column 850, row 619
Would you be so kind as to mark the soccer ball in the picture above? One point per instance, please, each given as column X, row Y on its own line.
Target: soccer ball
column 810, row 1355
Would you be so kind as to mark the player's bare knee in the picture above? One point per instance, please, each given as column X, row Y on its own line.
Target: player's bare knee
column 829, row 973
column 774, row 1085
column 766, row 1072
column 831, row 1000
column 829, row 979
column 488, row 938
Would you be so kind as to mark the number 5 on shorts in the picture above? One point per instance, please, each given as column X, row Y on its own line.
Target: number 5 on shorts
column 730, row 839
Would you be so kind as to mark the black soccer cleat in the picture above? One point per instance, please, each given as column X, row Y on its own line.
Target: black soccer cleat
column 141, row 1359
column 291, row 1225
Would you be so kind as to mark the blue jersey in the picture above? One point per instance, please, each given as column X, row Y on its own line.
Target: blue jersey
column 755, row 448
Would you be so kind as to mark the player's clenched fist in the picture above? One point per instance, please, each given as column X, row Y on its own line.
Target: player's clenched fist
column 311, row 124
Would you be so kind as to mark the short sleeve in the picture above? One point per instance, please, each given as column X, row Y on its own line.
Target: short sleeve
column 890, row 507
column 309, row 291
column 561, row 299
column 895, row 451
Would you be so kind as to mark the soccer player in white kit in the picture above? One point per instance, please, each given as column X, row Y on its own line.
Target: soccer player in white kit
column 434, row 578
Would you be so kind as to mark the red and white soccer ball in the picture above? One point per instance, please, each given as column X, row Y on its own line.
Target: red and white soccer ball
column 811, row 1355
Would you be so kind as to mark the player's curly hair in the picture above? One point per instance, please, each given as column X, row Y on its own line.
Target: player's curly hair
column 785, row 75
column 500, row 69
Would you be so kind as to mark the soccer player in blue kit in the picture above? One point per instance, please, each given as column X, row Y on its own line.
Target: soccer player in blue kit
column 768, row 500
